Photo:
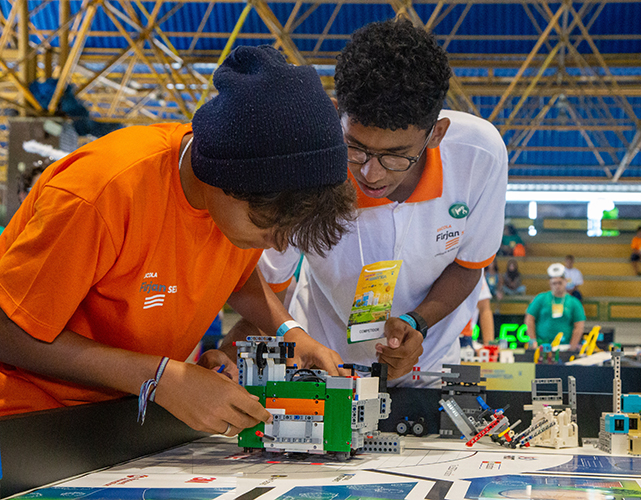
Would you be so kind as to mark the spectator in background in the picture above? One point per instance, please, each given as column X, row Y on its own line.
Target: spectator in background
column 510, row 240
column 636, row 252
column 494, row 280
column 29, row 177
column 574, row 278
column 512, row 283
column 483, row 316
column 555, row 311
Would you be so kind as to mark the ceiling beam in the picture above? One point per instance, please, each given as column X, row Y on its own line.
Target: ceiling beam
column 143, row 73
column 632, row 151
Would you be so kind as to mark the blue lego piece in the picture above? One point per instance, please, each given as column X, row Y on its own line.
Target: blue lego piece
column 631, row 403
column 482, row 403
column 617, row 423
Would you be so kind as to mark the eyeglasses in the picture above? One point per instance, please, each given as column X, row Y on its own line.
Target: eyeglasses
column 389, row 161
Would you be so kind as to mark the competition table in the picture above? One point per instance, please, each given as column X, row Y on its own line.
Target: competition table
column 51, row 446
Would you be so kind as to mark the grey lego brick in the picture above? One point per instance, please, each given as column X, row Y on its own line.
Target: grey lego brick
column 339, row 383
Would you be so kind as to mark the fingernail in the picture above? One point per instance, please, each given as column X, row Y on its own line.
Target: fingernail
column 220, row 370
column 393, row 342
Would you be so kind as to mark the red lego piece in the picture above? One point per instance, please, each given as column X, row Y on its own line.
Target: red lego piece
column 488, row 428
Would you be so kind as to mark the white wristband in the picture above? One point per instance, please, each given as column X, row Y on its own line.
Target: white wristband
column 286, row 326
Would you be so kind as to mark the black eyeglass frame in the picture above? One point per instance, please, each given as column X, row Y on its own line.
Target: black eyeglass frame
column 379, row 156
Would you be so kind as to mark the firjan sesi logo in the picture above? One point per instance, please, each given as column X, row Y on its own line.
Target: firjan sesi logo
column 155, row 292
column 459, row 210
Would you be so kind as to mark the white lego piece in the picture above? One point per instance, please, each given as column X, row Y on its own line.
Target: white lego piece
column 565, row 434
column 276, row 371
column 506, row 356
column 366, row 388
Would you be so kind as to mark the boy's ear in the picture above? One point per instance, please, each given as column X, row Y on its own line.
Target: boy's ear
column 335, row 102
column 440, row 128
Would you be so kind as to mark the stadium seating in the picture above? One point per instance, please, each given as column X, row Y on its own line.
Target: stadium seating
column 611, row 292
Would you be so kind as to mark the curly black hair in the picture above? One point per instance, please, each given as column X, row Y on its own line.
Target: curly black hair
column 26, row 179
column 392, row 75
column 312, row 219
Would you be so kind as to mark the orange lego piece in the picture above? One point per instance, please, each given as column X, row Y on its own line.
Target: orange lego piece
column 296, row 406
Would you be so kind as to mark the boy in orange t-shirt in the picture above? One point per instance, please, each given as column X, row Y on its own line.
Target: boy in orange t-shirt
column 635, row 257
column 126, row 249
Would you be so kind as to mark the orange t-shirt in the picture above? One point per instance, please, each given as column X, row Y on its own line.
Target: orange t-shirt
column 636, row 244
column 107, row 246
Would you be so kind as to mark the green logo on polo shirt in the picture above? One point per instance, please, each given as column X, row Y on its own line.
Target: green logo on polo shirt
column 459, row 210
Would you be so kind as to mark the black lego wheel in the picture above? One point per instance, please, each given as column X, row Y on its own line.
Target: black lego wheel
column 402, row 428
column 418, row 428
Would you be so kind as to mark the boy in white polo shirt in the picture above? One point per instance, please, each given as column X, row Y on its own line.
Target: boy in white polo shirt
column 431, row 194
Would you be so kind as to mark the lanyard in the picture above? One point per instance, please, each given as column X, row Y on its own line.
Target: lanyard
column 180, row 162
column 562, row 304
column 398, row 248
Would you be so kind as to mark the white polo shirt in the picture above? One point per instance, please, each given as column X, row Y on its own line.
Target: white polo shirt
column 574, row 277
column 428, row 232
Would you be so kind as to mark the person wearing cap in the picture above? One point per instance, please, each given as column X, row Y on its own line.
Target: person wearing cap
column 556, row 311
column 431, row 192
column 126, row 249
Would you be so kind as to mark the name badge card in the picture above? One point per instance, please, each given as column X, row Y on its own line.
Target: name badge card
column 372, row 304
column 557, row 310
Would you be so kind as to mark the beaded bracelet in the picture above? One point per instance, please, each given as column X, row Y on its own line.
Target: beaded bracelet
column 148, row 390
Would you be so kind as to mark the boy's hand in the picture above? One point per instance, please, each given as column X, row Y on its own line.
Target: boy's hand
column 404, row 347
column 218, row 361
column 310, row 353
column 208, row 401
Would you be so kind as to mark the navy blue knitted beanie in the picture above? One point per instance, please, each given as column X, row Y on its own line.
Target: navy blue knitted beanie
column 271, row 128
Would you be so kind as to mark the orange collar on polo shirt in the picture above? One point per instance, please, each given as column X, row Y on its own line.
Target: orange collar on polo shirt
column 429, row 187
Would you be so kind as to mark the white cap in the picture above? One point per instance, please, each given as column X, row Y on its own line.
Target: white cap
column 556, row 270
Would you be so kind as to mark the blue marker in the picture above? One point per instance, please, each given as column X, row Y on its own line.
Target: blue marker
column 220, row 370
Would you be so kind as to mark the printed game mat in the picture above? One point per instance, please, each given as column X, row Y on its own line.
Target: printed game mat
column 216, row 468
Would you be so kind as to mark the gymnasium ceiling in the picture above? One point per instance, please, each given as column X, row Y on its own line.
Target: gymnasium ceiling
column 561, row 81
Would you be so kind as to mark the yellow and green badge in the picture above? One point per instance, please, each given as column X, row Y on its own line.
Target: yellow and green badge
column 372, row 304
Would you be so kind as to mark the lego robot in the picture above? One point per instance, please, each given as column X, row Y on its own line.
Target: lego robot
column 312, row 411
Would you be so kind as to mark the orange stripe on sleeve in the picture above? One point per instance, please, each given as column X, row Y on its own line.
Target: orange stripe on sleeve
column 279, row 287
column 475, row 265
column 468, row 330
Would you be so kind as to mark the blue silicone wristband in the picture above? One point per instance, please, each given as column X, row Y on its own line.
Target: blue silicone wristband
column 287, row 326
column 409, row 320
